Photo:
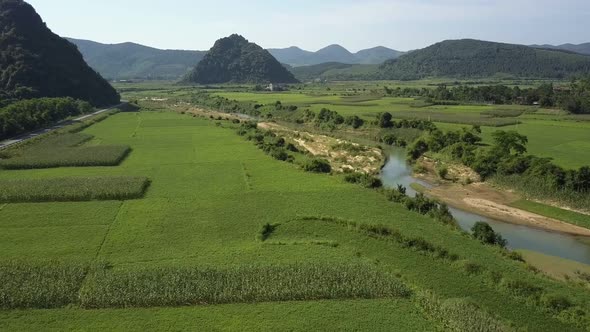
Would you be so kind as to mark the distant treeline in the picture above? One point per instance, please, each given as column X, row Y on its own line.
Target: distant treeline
column 27, row 115
column 575, row 98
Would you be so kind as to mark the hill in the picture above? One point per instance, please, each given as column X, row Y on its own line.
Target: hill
column 296, row 57
column 130, row 60
column 234, row 59
column 474, row 58
column 35, row 62
column 335, row 71
column 579, row 48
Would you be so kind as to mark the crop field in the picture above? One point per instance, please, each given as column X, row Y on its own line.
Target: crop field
column 66, row 150
column 188, row 255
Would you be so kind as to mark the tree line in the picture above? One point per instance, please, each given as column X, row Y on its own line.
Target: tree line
column 32, row 114
column 506, row 156
column 574, row 98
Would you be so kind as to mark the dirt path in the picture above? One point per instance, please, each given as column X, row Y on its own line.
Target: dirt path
column 487, row 201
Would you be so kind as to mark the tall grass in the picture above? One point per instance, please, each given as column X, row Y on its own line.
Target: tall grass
column 459, row 314
column 177, row 286
column 111, row 155
column 72, row 189
column 39, row 285
column 539, row 188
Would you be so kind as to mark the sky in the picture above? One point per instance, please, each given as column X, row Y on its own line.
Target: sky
column 313, row 24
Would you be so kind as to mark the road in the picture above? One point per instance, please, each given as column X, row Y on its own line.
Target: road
column 21, row 138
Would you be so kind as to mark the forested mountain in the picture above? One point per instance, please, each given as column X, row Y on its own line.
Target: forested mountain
column 580, row 48
column 295, row 56
column 234, row 59
column 130, row 60
column 35, row 62
column 474, row 58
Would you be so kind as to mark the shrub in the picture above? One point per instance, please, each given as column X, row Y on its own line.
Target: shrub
column 443, row 172
column 317, row 166
column 556, row 302
column 522, row 288
column 485, row 233
column 279, row 154
column 364, row 180
column 266, row 231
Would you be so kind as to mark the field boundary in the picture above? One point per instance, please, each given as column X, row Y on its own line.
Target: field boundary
column 107, row 232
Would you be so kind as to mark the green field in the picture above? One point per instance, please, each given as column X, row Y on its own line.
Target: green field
column 211, row 192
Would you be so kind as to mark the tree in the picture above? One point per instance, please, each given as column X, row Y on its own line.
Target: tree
column 485, row 233
column 354, row 121
column 384, row 120
column 507, row 142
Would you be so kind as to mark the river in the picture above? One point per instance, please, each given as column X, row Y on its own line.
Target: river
column 397, row 171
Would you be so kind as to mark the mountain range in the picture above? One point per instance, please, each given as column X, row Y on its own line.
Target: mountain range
column 135, row 61
column 295, row 57
column 130, row 60
column 578, row 48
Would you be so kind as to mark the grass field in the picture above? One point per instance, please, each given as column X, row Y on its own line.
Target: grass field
column 202, row 211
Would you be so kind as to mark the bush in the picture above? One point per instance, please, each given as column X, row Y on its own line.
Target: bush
column 485, row 233
column 556, row 302
column 364, row 180
column 443, row 172
column 266, row 231
column 317, row 166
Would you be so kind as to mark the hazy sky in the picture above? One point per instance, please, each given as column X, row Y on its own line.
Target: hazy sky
column 312, row 24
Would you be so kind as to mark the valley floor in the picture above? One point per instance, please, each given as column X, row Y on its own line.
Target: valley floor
column 211, row 193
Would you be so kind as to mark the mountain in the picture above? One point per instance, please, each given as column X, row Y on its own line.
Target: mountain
column 234, row 59
column 468, row 58
column 579, row 48
column 35, row 62
column 377, row 55
column 296, row 57
column 130, row 60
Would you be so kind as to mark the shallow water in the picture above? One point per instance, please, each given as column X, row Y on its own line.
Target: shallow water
column 397, row 171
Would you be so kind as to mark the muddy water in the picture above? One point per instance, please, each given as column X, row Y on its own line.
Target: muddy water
column 397, row 171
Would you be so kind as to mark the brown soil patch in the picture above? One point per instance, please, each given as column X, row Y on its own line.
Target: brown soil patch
column 492, row 203
column 358, row 159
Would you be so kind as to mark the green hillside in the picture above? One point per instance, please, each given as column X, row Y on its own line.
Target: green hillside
column 35, row 62
column 131, row 61
column 234, row 59
column 473, row 58
column 336, row 71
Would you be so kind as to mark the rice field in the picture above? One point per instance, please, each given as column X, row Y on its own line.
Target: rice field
column 146, row 263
